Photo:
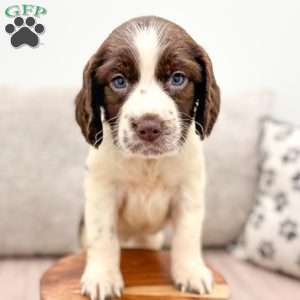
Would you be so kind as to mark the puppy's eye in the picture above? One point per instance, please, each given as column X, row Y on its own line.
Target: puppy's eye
column 177, row 79
column 119, row 82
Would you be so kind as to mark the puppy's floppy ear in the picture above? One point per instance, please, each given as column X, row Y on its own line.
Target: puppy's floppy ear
column 207, row 95
column 88, row 103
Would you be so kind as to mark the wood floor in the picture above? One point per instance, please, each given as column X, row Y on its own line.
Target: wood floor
column 19, row 278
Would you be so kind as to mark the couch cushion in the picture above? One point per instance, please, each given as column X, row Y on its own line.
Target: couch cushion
column 42, row 163
column 231, row 158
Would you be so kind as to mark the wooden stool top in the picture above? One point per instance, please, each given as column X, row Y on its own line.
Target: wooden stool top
column 146, row 276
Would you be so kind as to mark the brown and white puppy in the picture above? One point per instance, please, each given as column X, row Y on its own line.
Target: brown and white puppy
column 149, row 97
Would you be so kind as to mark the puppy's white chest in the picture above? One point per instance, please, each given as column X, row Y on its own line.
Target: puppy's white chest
column 144, row 207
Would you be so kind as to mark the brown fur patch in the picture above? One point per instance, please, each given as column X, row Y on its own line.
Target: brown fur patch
column 177, row 57
column 120, row 61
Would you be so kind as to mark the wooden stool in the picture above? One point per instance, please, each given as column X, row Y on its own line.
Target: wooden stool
column 146, row 274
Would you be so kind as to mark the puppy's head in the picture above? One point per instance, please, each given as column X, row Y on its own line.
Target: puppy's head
column 152, row 80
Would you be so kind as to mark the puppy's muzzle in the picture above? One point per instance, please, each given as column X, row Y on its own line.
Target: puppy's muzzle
column 148, row 127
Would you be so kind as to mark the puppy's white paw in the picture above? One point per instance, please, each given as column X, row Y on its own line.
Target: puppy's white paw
column 193, row 278
column 101, row 284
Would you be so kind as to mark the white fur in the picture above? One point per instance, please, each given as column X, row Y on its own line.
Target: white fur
column 130, row 198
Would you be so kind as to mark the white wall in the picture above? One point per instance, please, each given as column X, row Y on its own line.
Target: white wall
column 253, row 44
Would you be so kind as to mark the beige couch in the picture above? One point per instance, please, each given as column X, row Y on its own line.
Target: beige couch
column 41, row 202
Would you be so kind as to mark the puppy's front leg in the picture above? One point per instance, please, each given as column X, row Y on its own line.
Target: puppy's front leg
column 188, row 269
column 102, row 278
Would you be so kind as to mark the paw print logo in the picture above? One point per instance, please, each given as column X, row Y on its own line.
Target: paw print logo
column 288, row 229
column 291, row 156
column 267, row 179
column 280, row 201
column 24, row 32
column 266, row 250
column 296, row 181
column 257, row 220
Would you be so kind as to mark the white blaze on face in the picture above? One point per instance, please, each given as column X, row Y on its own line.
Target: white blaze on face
column 147, row 45
column 148, row 96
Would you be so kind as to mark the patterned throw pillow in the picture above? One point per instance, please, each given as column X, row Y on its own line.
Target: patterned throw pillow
column 271, row 237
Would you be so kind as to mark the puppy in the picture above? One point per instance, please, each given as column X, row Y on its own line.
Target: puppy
column 149, row 97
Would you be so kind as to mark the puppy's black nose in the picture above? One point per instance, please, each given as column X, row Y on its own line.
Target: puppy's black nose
column 148, row 128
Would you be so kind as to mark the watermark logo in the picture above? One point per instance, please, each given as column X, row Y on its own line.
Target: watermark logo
column 25, row 28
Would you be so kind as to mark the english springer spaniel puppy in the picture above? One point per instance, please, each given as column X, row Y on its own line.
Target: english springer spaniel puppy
column 149, row 98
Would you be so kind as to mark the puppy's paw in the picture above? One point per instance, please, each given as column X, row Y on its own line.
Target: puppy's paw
column 101, row 284
column 193, row 278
